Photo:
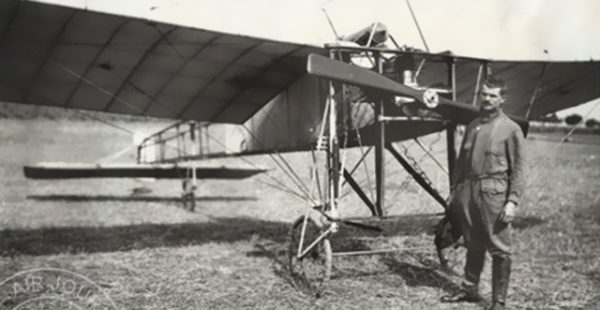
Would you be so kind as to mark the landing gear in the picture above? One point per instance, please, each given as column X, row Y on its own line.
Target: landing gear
column 188, row 197
column 309, row 256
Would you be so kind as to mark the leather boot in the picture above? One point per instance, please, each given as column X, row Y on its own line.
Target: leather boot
column 497, row 306
column 501, row 265
column 466, row 294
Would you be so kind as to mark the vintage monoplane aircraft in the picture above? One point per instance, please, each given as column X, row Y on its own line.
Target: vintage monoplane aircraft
column 286, row 97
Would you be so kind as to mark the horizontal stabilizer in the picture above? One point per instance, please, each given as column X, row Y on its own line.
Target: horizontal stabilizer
column 162, row 171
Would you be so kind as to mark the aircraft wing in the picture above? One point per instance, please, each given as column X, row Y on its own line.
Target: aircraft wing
column 557, row 84
column 78, row 59
column 158, row 171
column 73, row 58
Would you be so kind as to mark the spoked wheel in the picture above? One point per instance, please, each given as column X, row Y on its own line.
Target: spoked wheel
column 448, row 246
column 310, row 272
column 455, row 260
column 188, row 198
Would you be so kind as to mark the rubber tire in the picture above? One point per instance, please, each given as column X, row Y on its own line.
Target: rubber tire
column 315, row 282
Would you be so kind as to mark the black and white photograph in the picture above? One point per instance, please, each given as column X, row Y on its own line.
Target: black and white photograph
column 286, row 154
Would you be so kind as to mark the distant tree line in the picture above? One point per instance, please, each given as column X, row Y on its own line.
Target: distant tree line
column 592, row 123
column 572, row 120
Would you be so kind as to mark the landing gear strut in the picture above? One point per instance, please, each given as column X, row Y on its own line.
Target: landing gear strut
column 309, row 256
column 188, row 197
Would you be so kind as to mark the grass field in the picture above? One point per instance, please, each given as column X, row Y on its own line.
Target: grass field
column 148, row 253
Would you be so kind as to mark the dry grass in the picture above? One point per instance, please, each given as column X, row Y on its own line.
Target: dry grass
column 147, row 253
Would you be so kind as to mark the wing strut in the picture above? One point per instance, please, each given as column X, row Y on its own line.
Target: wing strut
column 380, row 149
column 412, row 13
column 421, row 178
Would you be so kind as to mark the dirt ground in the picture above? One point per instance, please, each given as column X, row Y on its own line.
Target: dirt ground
column 146, row 252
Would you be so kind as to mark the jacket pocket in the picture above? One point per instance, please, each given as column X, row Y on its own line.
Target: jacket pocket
column 495, row 162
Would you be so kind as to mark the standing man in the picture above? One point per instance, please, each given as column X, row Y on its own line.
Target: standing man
column 488, row 185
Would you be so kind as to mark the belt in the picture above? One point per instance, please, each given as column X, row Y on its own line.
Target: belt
column 496, row 175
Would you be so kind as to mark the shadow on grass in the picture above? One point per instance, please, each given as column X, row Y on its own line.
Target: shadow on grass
column 277, row 254
column 46, row 241
column 399, row 225
column 132, row 198
column 416, row 269
column 426, row 273
column 525, row 222
column 423, row 272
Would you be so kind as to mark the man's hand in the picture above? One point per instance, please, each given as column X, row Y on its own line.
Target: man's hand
column 453, row 192
column 508, row 213
column 450, row 197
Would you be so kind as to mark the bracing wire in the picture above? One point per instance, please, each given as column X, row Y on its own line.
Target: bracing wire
column 408, row 179
column 316, row 175
column 304, row 197
column 428, row 152
column 53, row 103
column 536, row 90
column 87, row 81
column 116, row 154
column 288, row 170
column 105, row 122
column 291, row 175
column 280, row 183
column 365, row 165
column 283, row 189
column 91, row 83
column 359, row 162
column 412, row 13
column 335, row 33
column 575, row 126
column 107, row 92
column 555, row 149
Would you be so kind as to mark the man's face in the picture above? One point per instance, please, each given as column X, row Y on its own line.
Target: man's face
column 491, row 99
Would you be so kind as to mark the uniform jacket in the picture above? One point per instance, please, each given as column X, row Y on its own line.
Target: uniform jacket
column 493, row 152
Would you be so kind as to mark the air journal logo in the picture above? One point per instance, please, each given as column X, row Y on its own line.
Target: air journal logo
column 52, row 288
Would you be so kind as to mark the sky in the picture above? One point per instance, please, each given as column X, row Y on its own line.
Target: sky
column 497, row 29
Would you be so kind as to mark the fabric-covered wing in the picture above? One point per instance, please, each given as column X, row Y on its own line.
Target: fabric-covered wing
column 59, row 170
column 73, row 58
column 557, row 85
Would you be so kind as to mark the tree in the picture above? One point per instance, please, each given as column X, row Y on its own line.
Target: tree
column 550, row 118
column 573, row 119
column 592, row 123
